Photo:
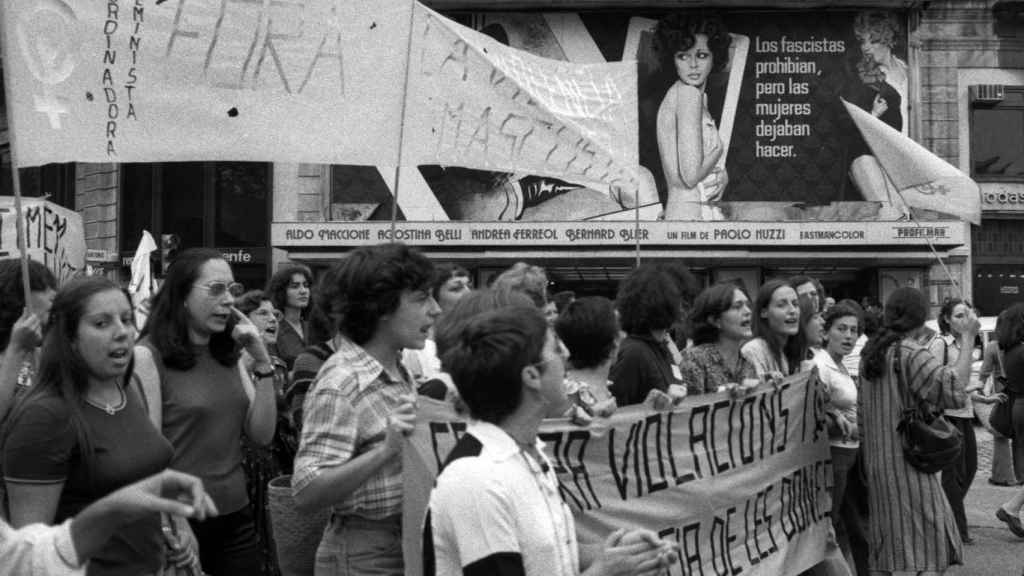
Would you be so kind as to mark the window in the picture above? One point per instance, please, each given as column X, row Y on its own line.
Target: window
column 222, row 205
column 997, row 133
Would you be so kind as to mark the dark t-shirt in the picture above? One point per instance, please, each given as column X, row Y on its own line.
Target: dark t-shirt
column 643, row 364
column 1013, row 364
column 42, row 448
column 205, row 410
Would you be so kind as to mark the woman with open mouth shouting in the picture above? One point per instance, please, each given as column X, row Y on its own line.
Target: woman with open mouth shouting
column 81, row 432
column 204, row 399
column 721, row 320
column 776, row 324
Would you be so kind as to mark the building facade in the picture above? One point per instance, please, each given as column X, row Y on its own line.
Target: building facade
column 792, row 203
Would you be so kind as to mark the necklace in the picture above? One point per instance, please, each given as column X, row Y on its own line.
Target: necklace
column 107, row 407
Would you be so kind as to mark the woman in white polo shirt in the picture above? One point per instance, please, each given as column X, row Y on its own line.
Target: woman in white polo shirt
column 841, row 330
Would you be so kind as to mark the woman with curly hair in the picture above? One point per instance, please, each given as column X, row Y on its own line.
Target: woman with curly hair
column 694, row 45
column 649, row 304
column 721, row 319
column 289, row 290
column 911, row 526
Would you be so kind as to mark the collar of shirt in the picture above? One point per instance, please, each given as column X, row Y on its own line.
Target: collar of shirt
column 358, row 361
column 499, row 445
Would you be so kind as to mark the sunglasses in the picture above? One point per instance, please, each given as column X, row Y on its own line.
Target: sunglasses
column 218, row 289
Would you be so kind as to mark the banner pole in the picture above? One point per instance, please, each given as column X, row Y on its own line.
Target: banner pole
column 401, row 127
column 636, row 222
column 956, row 286
column 19, row 214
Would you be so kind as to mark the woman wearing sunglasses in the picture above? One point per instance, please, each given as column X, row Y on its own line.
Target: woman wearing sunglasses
column 189, row 361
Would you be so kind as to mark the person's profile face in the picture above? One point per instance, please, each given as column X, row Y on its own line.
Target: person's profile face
column 453, row 290
column 809, row 290
column 694, row 65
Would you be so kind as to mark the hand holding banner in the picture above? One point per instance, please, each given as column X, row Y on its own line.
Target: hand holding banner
column 742, row 485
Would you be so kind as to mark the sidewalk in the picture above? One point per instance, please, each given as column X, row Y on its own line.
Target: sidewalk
column 995, row 552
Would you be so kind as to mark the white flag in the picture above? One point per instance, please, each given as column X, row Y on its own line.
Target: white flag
column 923, row 179
column 141, row 284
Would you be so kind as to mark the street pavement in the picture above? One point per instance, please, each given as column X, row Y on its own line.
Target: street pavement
column 995, row 551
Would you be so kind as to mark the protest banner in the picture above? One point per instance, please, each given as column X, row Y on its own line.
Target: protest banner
column 288, row 81
column 742, row 485
column 476, row 103
column 54, row 236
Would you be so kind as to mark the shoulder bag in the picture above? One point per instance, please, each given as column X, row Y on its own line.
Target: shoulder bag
column 1001, row 419
column 930, row 442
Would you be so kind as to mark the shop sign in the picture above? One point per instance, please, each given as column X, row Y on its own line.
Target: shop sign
column 231, row 255
column 1002, row 196
column 618, row 234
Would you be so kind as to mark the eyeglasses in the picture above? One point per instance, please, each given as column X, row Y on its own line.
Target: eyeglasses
column 218, row 289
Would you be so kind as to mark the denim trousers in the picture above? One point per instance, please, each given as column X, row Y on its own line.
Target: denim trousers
column 357, row 546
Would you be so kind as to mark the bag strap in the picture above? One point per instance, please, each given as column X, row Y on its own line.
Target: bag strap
column 147, row 369
column 901, row 381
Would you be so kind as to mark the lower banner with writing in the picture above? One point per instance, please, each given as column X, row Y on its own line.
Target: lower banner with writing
column 742, row 485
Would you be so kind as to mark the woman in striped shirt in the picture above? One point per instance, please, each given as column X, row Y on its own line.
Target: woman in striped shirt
column 911, row 529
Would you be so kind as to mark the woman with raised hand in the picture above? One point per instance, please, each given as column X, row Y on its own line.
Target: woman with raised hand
column 264, row 463
column 722, row 321
column 911, row 526
column 776, row 323
column 204, row 400
column 290, row 290
column 948, row 346
column 82, row 431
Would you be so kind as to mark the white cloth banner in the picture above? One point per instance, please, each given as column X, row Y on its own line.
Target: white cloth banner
column 475, row 102
column 128, row 81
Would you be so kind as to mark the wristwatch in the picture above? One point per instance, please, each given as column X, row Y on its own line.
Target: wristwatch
column 261, row 375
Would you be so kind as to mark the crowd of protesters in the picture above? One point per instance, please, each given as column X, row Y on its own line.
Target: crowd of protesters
column 110, row 431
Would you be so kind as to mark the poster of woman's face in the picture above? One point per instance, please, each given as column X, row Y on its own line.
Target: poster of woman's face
column 740, row 115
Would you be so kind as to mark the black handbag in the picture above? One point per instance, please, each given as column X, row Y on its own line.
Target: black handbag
column 930, row 442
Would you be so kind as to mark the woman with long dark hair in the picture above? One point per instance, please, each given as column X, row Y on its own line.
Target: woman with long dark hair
column 290, row 290
column 721, row 320
column 189, row 360
column 82, row 432
column 911, row 526
column 776, row 323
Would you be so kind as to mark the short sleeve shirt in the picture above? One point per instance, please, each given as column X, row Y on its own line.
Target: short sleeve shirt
column 42, row 448
column 494, row 508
